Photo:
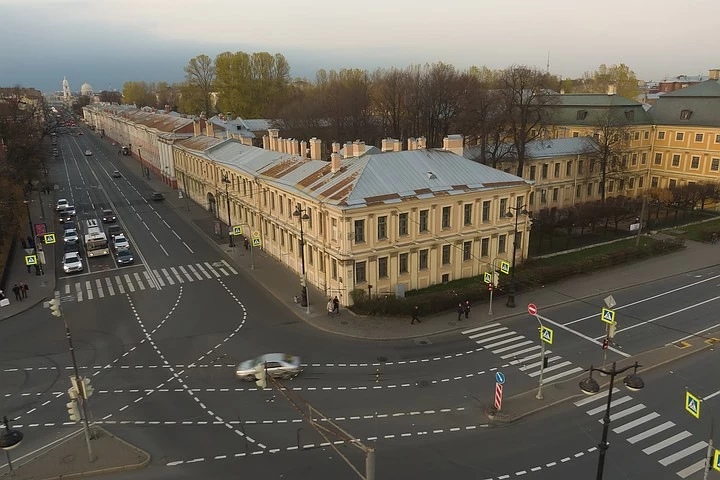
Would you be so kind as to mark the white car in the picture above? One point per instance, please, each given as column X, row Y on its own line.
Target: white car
column 277, row 365
column 72, row 262
column 88, row 153
column 61, row 205
column 119, row 241
column 71, row 236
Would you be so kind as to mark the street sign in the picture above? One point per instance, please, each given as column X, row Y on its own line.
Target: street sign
column 546, row 335
column 607, row 316
column 532, row 309
column 256, row 242
column 692, row 404
column 716, row 460
column 488, row 277
column 500, row 378
column 610, row 301
column 498, row 396
column 505, row 267
column 256, row 234
column 236, row 230
column 31, row 260
column 49, row 238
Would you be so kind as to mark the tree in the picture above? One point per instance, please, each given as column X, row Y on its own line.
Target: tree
column 610, row 147
column 621, row 76
column 200, row 81
column 389, row 99
column 110, row 96
column 140, row 94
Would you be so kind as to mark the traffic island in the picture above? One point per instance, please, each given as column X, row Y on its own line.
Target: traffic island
column 69, row 458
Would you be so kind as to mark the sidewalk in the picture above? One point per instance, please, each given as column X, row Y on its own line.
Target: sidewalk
column 41, row 287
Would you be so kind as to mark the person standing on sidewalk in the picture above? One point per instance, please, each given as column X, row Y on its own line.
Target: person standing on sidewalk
column 16, row 291
column 415, row 315
column 24, row 289
column 330, row 307
column 460, row 311
column 336, row 305
column 467, row 309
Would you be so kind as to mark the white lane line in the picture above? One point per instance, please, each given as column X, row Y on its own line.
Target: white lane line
column 188, row 247
column 88, row 287
column 593, row 398
column 683, row 453
column 67, row 289
column 109, row 286
column 177, row 275
column 152, row 234
column 176, row 234
column 192, row 269
column 78, row 289
column 521, row 352
column 139, row 281
column 98, row 285
column 166, row 224
column 625, row 413
column 692, row 335
column 550, row 368
column 146, row 226
column 212, row 270
column 651, row 432
column 229, row 267
column 158, row 278
column 158, row 215
column 583, row 336
column 695, row 467
column 615, row 401
column 149, row 279
column 712, row 395
column 167, row 275
column 667, row 442
column 202, row 269
column 121, row 289
column 512, row 347
column 487, row 332
column 163, row 249
column 566, row 373
column 131, row 287
column 533, row 365
column 187, row 275
column 477, row 329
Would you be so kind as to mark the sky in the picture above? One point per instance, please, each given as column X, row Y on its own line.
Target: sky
column 108, row 42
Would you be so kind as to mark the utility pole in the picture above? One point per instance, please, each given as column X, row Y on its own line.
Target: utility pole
column 641, row 220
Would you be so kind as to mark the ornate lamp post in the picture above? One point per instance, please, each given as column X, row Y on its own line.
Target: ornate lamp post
column 227, row 182
column 9, row 439
column 519, row 210
column 590, row 386
column 301, row 213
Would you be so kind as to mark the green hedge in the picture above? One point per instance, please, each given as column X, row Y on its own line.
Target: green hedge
column 532, row 274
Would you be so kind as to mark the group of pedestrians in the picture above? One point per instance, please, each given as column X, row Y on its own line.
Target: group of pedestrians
column 20, row 290
column 333, row 306
column 463, row 309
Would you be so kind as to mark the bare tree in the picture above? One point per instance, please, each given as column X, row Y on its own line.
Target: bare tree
column 610, row 148
column 200, row 76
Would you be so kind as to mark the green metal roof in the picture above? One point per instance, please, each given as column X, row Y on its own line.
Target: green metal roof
column 566, row 110
column 701, row 101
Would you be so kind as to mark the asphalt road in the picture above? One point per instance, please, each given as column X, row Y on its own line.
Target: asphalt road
column 160, row 340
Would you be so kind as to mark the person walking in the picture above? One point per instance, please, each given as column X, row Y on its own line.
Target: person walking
column 24, row 289
column 16, row 291
column 330, row 307
column 415, row 315
column 460, row 311
column 467, row 309
column 713, row 238
column 336, row 305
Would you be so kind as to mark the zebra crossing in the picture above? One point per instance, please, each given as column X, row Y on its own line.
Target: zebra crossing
column 675, row 448
column 138, row 281
column 521, row 352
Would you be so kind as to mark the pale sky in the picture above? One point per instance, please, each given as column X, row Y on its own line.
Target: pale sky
column 109, row 42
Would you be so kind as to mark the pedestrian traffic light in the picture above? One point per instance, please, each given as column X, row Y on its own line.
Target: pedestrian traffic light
column 55, row 307
column 606, row 343
column 87, row 388
column 73, row 411
column 261, row 376
column 490, row 287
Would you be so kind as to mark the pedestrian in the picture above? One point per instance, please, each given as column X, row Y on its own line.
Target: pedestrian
column 330, row 307
column 713, row 238
column 24, row 289
column 16, row 291
column 415, row 315
column 336, row 305
column 467, row 309
column 460, row 311
column 246, row 243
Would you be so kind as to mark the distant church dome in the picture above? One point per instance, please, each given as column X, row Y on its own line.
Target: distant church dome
column 86, row 89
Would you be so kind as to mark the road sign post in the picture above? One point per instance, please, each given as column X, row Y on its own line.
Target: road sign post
column 498, row 396
column 546, row 337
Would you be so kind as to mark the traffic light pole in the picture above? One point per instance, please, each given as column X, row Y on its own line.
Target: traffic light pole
column 710, row 450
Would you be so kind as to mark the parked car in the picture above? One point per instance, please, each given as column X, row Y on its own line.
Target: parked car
column 61, row 205
column 70, row 236
column 72, row 262
column 119, row 241
column 116, row 174
column 108, row 216
column 87, row 152
column 278, row 365
column 124, row 256
column 157, row 196
column 125, row 150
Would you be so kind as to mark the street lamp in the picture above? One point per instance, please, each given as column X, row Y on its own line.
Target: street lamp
column 227, row 182
column 302, row 214
column 9, row 439
column 590, row 386
column 519, row 210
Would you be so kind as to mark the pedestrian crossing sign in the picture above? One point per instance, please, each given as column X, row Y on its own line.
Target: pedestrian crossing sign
column 716, row 460
column 505, row 267
column 256, row 242
column 31, row 260
column 546, row 335
column 488, row 277
column 49, row 238
column 608, row 316
column 692, row 404
column 237, row 230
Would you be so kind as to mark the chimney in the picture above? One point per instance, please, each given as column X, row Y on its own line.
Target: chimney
column 421, row 143
column 612, row 89
column 196, row 127
column 562, row 91
column 335, row 160
column 348, row 149
column 304, row 149
column 397, row 146
column 167, row 108
column 714, row 74
column 358, row 148
column 210, row 129
column 274, row 139
column 246, row 141
column 266, row 142
column 315, row 148
column 288, row 145
column 385, row 145
column 454, row 143
column 295, row 147
column 412, row 143
column 335, row 147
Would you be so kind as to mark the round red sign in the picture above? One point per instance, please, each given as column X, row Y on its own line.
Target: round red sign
column 532, row 309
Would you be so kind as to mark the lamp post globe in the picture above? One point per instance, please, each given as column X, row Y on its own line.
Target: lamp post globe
column 589, row 386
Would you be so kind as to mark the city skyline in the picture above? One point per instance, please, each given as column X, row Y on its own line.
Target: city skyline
column 108, row 44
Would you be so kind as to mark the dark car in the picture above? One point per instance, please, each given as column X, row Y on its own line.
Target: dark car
column 72, row 247
column 114, row 230
column 69, row 225
column 124, row 257
column 68, row 214
column 108, row 216
column 157, row 196
column 116, row 174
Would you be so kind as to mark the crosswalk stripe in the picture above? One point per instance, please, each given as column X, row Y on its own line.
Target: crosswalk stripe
column 550, row 368
column 566, row 373
column 512, row 347
column 149, row 279
column 625, row 413
column 202, row 269
column 592, row 398
column 139, row 282
column 222, row 270
column 477, row 329
column 167, row 275
column 177, row 275
column 187, row 275
column 651, row 432
column 229, row 267
column 78, row 289
column 110, row 288
column 615, row 401
column 514, row 354
column 129, row 283
column 636, row 422
column 67, row 289
column 192, row 269
column 209, row 267
column 533, row 365
column 488, row 332
column 119, row 285
column 682, row 453
column 667, row 442
column 158, row 278
column 504, row 342
column 526, row 359
column 695, row 467
column 98, row 285
column 88, row 287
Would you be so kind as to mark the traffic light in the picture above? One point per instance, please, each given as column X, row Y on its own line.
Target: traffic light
column 87, row 388
column 261, row 376
column 490, row 287
column 606, row 343
column 55, row 307
column 73, row 411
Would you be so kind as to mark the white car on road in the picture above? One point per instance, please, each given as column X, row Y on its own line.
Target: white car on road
column 72, row 262
column 61, row 205
column 71, row 236
column 119, row 241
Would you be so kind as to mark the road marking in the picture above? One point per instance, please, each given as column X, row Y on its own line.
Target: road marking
column 202, row 269
column 88, row 287
column 477, row 329
column 583, row 336
column 566, row 373
column 188, row 247
column 530, row 366
column 615, row 401
column 146, row 225
column 121, row 289
column 593, row 398
column 651, row 432
column 667, row 442
column 487, row 332
column 209, row 267
column 551, row 367
column 177, row 275
column 192, row 269
column 683, row 453
column 149, row 280
column 139, row 282
column 163, row 249
column 167, row 275
column 158, row 278
column 514, row 354
column 695, row 467
column 129, row 283
column 67, row 289
column 229, row 267
column 176, row 234
column 98, row 285
column 693, row 335
column 626, row 412
column 109, row 285
column 184, row 272
column 511, row 347
column 152, row 234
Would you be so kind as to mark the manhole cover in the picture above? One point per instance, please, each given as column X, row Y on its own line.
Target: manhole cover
column 422, row 341
column 382, row 359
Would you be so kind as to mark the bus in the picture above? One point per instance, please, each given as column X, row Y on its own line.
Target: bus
column 96, row 243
